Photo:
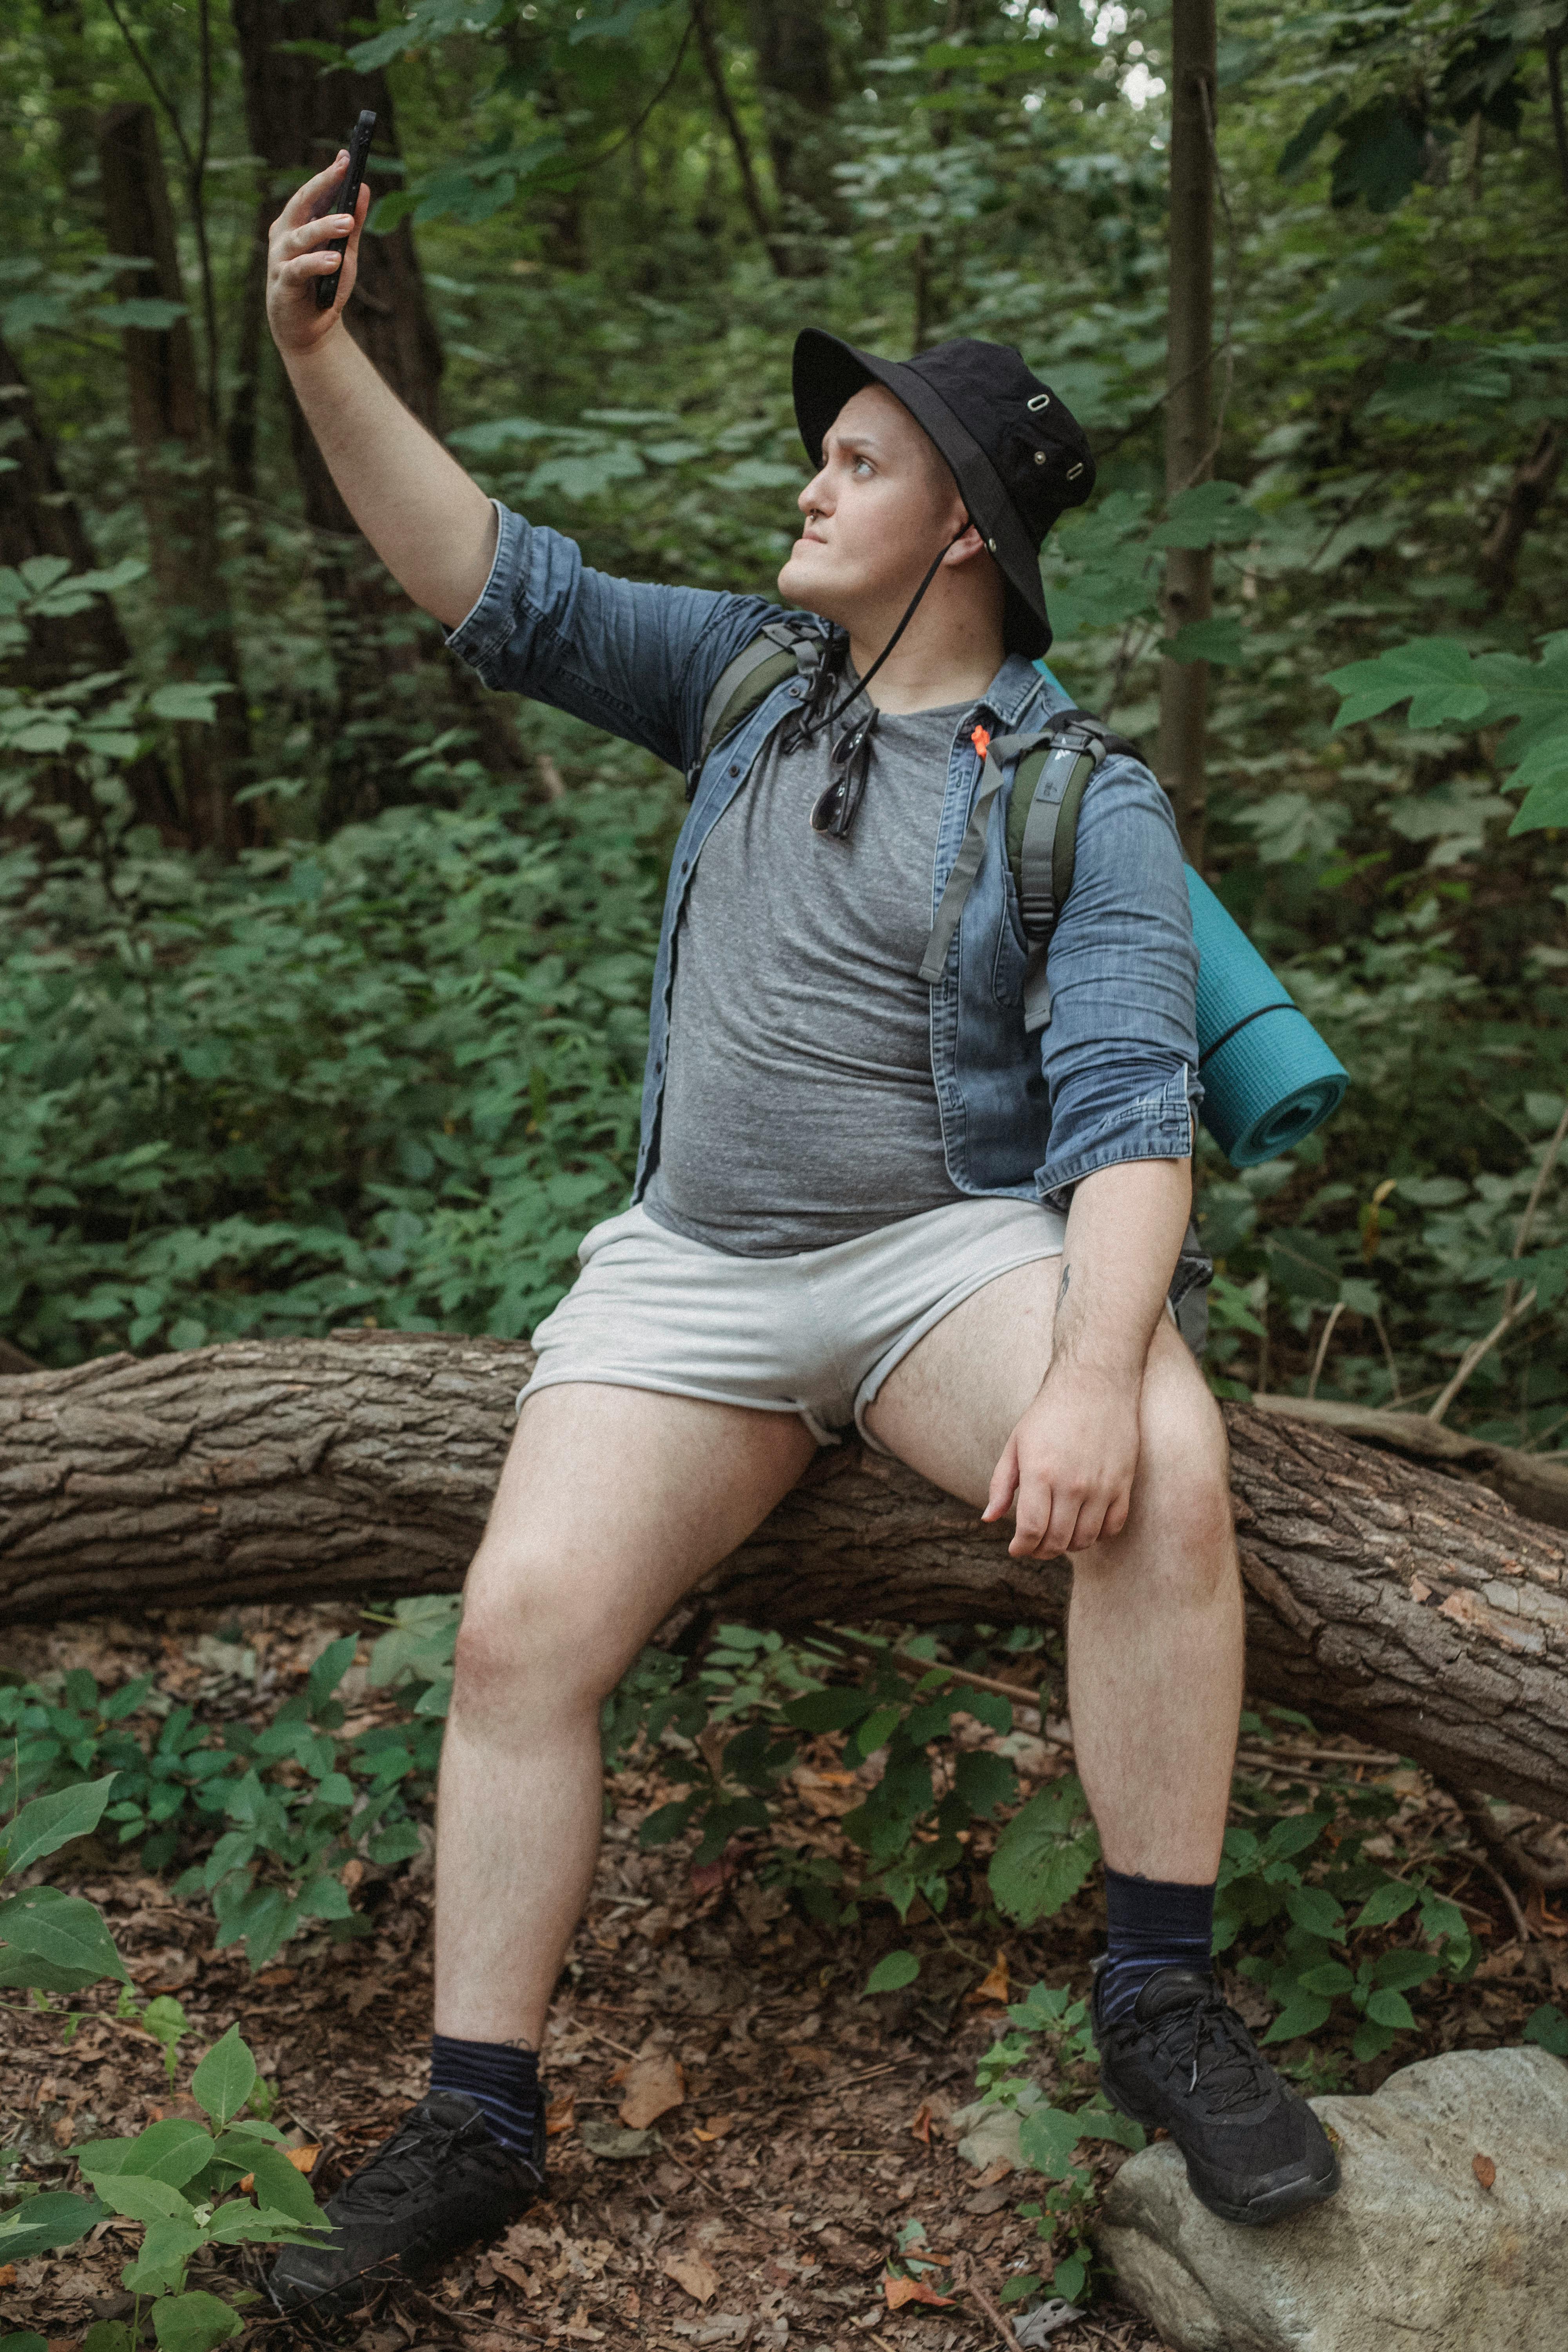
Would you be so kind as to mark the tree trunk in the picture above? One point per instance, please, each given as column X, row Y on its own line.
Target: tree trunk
column 712, row 59
column 298, row 117
column 793, row 42
column 1189, row 571
column 1534, row 479
column 174, row 464
column 38, row 516
column 1383, row 1599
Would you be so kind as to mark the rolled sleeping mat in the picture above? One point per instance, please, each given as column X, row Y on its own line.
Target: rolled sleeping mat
column 1269, row 1079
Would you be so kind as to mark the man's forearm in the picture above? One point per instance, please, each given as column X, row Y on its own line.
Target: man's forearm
column 429, row 523
column 1123, row 1236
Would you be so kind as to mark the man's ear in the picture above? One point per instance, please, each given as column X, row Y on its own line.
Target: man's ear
column 966, row 548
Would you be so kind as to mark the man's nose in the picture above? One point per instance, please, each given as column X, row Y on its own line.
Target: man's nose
column 815, row 494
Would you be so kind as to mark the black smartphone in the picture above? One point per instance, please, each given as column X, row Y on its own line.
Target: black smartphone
column 343, row 199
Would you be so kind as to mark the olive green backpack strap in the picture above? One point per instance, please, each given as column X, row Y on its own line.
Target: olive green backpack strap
column 1049, row 785
column 784, row 648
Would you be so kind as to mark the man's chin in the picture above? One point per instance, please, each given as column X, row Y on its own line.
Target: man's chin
column 801, row 583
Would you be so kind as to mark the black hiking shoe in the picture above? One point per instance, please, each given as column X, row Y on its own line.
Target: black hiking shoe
column 441, row 2181
column 1182, row 2060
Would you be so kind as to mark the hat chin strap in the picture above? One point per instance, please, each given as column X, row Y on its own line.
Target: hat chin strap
column 808, row 724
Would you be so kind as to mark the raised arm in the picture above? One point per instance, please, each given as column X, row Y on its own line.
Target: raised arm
column 429, row 523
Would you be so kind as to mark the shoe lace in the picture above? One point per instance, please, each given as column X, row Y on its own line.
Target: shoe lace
column 1211, row 2041
column 407, row 2158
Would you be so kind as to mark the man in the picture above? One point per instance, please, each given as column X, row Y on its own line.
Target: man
column 862, row 1198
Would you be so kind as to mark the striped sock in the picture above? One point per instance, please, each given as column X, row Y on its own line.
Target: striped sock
column 1154, row 1924
column 502, row 2077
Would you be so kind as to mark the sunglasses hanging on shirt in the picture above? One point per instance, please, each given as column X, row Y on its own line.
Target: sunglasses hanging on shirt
column 850, row 759
column 851, row 755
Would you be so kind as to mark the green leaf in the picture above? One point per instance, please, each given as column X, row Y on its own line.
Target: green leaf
column 49, row 1823
column 106, row 2336
column 1105, row 2123
column 166, row 2247
column 878, row 1727
column 1313, row 1908
column 58, row 1942
column 187, row 699
column 1302, row 2013
column 667, row 1821
column 1292, row 1836
column 174, row 2150
column 1302, row 145
column 1371, row 2039
column 1403, row 1970
column 1389, row 2008
column 890, row 1975
column 139, row 2199
column 277, row 2184
column 1549, row 2028
column 40, row 2225
column 194, row 2323
column 1217, row 640
column 1330, row 1980
column 23, row 2340
column 983, row 1781
column 1436, row 675
column 225, row 2079
column 1211, row 514
column 1385, row 1903
column 1046, row 2138
column 1041, row 1858
column 828, row 1710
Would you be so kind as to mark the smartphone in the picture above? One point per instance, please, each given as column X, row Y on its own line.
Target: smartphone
column 343, row 199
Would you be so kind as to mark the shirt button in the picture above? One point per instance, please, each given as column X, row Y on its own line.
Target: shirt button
column 736, row 769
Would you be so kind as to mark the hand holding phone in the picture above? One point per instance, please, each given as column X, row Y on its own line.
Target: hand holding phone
column 343, row 199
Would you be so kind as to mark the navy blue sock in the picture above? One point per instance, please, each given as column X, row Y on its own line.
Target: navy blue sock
column 1154, row 1924
column 502, row 2077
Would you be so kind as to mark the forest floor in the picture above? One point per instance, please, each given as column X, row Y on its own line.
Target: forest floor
column 804, row 2132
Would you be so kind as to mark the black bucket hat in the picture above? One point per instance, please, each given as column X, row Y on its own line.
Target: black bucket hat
column 1018, row 453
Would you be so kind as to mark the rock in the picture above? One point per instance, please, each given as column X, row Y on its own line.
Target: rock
column 1415, row 2250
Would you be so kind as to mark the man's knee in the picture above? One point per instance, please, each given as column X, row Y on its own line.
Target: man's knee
column 526, row 1639
column 1183, row 1509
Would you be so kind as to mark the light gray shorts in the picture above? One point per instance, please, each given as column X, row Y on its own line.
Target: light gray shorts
column 816, row 1335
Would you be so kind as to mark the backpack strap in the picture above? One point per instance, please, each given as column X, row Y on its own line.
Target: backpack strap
column 784, row 648
column 1055, row 763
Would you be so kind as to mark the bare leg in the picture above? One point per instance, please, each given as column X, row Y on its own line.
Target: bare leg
column 1154, row 1634
column 613, row 1503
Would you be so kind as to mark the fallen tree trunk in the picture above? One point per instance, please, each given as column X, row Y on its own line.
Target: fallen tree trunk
column 1383, row 1598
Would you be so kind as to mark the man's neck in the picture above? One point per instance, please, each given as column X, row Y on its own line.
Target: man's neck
column 939, row 660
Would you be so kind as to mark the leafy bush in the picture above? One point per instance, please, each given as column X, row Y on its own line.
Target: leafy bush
column 175, row 2178
column 391, row 1078
column 275, row 1815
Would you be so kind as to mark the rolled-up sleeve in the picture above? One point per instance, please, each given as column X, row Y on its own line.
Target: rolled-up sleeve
column 633, row 656
column 1119, row 1052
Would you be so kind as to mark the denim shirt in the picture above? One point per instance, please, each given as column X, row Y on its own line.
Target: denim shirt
column 1111, row 1078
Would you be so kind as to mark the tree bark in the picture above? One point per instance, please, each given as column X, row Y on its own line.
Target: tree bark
column 38, row 516
column 1534, row 479
column 1383, row 1599
column 174, row 462
column 751, row 191
column 793, row 42
column 298, row 117
column 1189, row 571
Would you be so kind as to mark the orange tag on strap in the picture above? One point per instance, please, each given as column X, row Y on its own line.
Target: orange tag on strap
column 981, row 740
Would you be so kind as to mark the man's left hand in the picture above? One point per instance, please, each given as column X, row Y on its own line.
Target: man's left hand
column 1070, row 1463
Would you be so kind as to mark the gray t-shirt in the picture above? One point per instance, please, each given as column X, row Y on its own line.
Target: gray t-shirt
column 799, row 1106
